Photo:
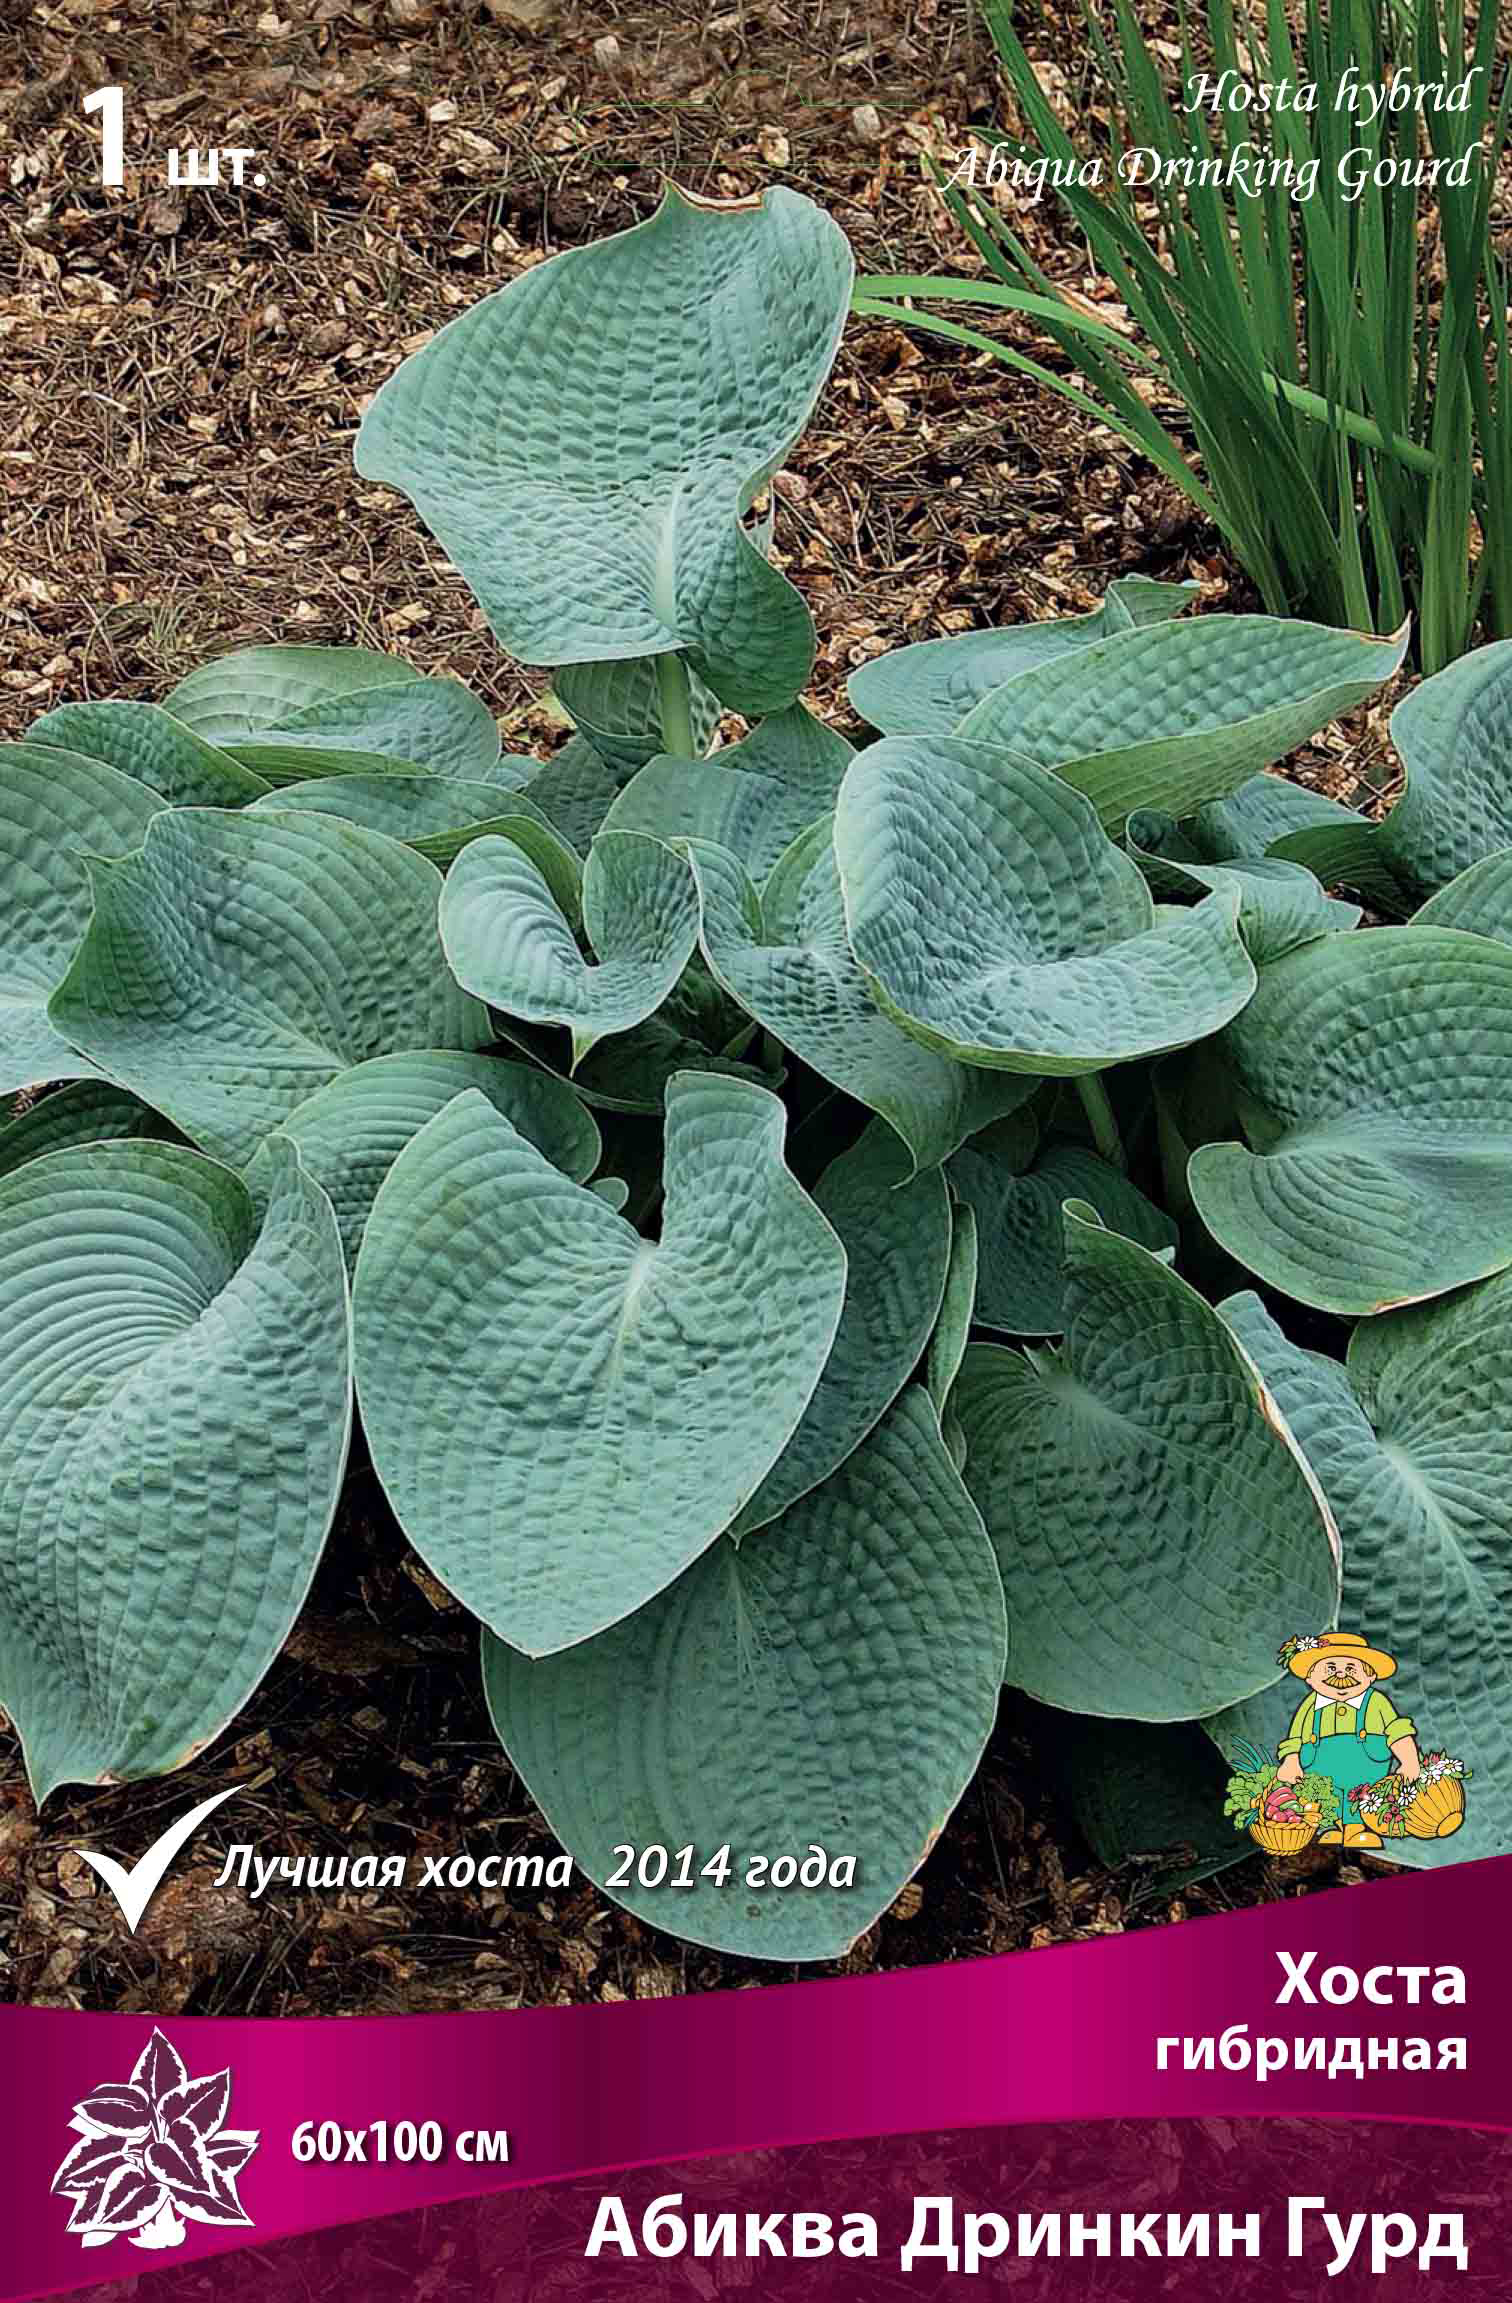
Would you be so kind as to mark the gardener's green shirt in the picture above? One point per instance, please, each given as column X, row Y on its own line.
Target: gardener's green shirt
column 1381, row 1718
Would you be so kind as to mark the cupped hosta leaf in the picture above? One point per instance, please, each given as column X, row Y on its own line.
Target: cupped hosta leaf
column 1412, row 1442
column 1270, row 816
column 1454, row 737
column 575, row 791
column 1280, row 904
column 55, row 808
column 947, row 1345
column 603, row 521
column 1152, row 1517
column 508, row 941
column 236, row 963
column 927, row 689
column 785, row 958
column 1175, row 714
column 754, row 798
column 90, row 1111
column 1017, row 1193
column 1374, row 1078
column 252, row 689
column 350, row 1133
column 438, row 816
column 831, row 1682
column 579, row 1412
column 431, row 723
column 176, row 1397
column 1479, row 902
column 998, row 923
column 618, row 709
column 630, row 1073
column 895, row 1228
column 152, row 746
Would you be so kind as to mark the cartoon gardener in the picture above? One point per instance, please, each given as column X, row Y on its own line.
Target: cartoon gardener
column 1345, row 1727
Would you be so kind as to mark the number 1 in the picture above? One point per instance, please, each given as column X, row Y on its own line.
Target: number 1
column 110, row 103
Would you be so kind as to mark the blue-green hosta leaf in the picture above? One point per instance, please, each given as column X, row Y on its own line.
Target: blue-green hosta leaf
column 575, row 791
column 507, row 940
column 152, row 746
column 630, row 1072
column 927, row 689
column 1280, row 904
column 947, row 1346
column 894, row 1226
column 1454, row 736
column 785, row 958
column 236, row 963
column 996, row 921
column 1172, row 715
column 435, row 724
column 350, row 1133
column 175, row 1390
column 1374, row 1078
column 1152, row 1516
column 278, row 762
column 1412, row 1442
column 604, row 521
column 580, row 1412
column 252, row 689
column 1140, row 1789
column 754, row 798
column 1018, row 1194
column 89, row 1111
column 55, row 808
column 437, row 816
column 1269, row 816
column 1479, row 902
column 831, row 1682
column 617, row 707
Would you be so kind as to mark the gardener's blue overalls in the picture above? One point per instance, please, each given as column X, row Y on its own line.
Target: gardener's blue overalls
column 1346, row 1760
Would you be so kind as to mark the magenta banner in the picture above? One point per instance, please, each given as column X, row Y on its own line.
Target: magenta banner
column 1386, row 2007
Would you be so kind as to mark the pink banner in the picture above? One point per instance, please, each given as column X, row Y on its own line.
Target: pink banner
column 322, row 2124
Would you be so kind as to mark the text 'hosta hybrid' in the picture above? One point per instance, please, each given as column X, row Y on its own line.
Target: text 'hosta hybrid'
column 814, row 1224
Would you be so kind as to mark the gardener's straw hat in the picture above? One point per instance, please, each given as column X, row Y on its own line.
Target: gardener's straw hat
column 1345, row 1644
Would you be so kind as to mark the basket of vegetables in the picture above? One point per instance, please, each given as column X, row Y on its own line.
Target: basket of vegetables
column 1430, row 1805
column 1283, row 1818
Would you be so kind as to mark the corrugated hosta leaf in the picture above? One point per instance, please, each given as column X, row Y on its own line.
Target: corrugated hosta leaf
column 350, row 1133
column 90, row 1111
column 55, row 808
column 153, row 747
column 437, row 816
column 831, row 1682
column 895, row 1229
column 575, row 791
column 252, row 689
column 436, row 724
column 785, row 958
column 1412, row 1442
column 1268, row 816
column 1479, row 902
column 927, row 689
column 996, row 921
column 236, row 963
column 176, row 1397
column 1280, row 904
column 1152, row 1517
column 1374, row 1082
column 1453, row 734
column 603, row 521
column 618, row 709
column 508, row 941
column 1017, row 1193
column 580, row 1412
column 1177, row 714
column 947, row 1345
column 754, row 798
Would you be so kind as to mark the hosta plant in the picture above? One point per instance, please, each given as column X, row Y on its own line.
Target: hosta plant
column 814, row 1224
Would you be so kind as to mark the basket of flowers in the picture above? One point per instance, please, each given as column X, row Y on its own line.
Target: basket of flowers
column 1283, row 1818
column 1430, row 1805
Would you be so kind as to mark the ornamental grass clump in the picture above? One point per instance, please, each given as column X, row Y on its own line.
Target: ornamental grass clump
column 776, row 1206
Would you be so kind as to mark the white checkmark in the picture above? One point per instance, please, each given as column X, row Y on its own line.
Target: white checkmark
column 134, row 1889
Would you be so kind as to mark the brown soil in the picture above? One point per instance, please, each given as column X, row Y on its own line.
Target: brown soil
column 181, row 374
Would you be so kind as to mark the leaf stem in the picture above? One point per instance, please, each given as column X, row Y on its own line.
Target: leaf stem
column 1100, row 1118
column 676, row 700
